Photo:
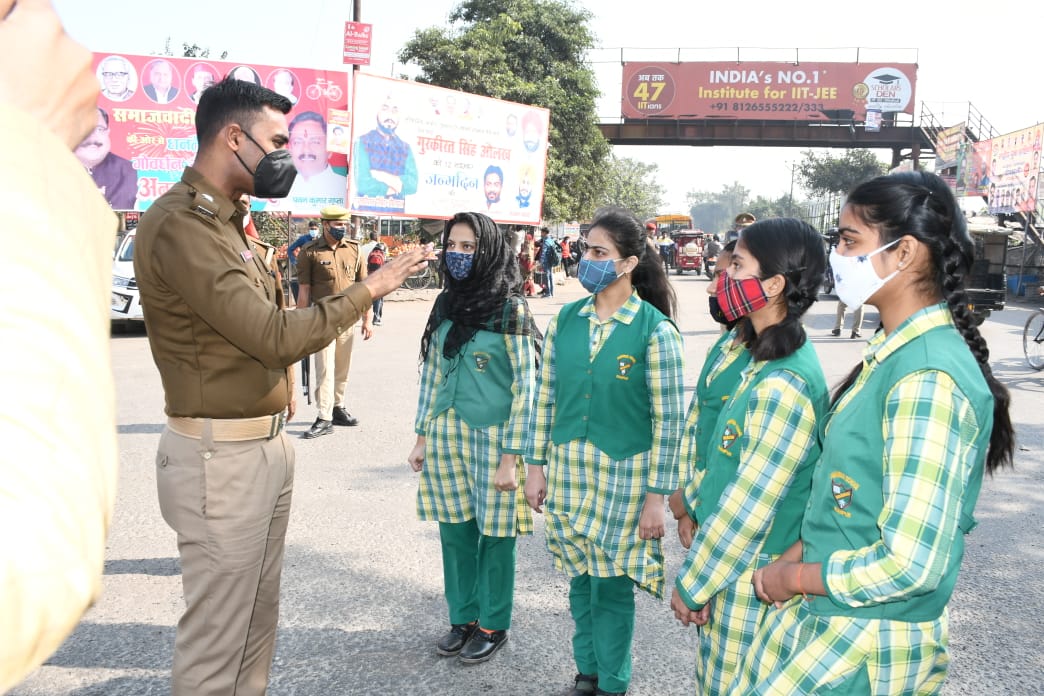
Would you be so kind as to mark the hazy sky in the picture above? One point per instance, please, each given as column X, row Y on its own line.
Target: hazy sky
column 959, row 61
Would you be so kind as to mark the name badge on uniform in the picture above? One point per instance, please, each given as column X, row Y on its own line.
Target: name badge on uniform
column 246, row 254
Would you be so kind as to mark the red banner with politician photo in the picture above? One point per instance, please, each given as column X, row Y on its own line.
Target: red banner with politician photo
column 146, row 136
column 767, row 91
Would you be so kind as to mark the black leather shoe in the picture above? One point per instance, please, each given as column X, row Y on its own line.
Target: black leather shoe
column 835, row 332
column 451, row 643
column 482, row 645
column 855, row 334
column 319, row 427
column 342, row 417
column 584, row 685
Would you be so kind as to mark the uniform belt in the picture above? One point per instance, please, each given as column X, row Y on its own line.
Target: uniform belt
column 230, row 429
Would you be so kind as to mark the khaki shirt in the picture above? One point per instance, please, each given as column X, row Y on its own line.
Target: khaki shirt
column 221, row 342
column 57, row 478
column 328, row 270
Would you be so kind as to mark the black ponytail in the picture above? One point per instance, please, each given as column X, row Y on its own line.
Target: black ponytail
column 793, row 249
column 648, row 278
column 921, row 205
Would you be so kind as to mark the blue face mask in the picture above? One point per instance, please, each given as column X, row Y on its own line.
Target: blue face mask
column 459, row 264
column 596, row 276
column 313, row 233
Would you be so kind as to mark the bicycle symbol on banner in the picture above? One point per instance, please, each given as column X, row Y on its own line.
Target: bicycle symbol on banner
column 324, row 88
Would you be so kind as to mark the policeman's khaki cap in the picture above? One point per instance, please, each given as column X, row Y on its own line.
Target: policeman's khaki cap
column 334, row 212
column 745, row 219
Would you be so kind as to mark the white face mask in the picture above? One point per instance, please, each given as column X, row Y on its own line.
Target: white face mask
column 855, row 279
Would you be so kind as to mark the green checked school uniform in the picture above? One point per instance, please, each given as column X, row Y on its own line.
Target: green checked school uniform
column 721, row 372
column 608, row 420
column 749, row 503
column 892, row 498
column 471, row 409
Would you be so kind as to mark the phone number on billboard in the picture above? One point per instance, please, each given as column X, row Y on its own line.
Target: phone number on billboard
column 746, row 106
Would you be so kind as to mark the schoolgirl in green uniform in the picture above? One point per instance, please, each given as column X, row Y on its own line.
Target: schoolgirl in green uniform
column 910, row 434
column 608, row 418
column 474, row 416
column 754, row 442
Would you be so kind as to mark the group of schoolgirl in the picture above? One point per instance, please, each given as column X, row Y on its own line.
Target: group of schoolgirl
column 824, row 531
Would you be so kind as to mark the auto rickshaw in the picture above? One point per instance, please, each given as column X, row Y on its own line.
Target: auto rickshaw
column 689, row 251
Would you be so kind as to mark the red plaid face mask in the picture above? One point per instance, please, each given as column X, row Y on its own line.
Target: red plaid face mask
column 738, row 298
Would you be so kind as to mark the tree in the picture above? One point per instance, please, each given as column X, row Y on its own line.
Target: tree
column 271, row 227
column 531, row 52
column 190, row 50
column 824, row 175
column 714, row 212
column 632, row 185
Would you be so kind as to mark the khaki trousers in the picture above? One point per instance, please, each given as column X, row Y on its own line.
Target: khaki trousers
column 229, row 503
column 331, row 373
column 857, row 318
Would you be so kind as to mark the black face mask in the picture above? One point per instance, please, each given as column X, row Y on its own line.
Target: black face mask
column 275, row 173
column 337, row 232
column 716, row 313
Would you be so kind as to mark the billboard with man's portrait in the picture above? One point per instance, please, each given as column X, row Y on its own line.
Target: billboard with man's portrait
column 425, row 151
column 145, row 135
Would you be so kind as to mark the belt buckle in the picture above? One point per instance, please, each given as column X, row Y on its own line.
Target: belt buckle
column 276, row 427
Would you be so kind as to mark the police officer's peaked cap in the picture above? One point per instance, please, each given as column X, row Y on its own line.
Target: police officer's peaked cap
column 745, row 219
column 334, row 212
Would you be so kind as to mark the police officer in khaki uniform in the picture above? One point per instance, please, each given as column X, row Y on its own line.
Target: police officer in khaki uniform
column 327, row 265
column 223, row 346
column 741, row 222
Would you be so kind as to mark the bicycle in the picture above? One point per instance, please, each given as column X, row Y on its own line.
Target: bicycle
column 428, row 277
column 1033, row 340
column 324, row 88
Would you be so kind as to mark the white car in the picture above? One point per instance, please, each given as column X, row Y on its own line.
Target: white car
column 126, row 302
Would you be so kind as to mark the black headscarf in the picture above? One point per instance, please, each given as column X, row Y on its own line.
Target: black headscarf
column 488, row 299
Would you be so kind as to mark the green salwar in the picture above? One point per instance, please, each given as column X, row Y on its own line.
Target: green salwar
column 603, row 611
column 478, row 574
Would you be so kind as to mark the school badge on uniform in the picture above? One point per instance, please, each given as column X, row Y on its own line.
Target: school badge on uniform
column 729, row 435
column 843, row 489
column 481, row 360
column 624, row 363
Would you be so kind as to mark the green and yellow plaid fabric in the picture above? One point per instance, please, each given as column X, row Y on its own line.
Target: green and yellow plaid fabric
column 456, row 483
column 929, row 429
column 594, row 502
column 727, row 353
column 797, row 652
column 929, row 432
column 780, row 421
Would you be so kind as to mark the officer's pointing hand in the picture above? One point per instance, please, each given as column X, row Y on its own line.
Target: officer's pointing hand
column 391, row 275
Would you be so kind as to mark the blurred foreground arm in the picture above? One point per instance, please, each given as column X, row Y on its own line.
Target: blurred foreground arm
column 57, row 484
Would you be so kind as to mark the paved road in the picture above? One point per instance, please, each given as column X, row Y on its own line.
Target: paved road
column 362, row 600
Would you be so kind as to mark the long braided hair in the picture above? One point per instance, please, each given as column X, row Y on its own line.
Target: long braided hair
column 921, row 205
column 793, row 249
column 489, row 299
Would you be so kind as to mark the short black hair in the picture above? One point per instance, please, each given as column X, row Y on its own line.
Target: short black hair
column 233, row 101
column 104, row 115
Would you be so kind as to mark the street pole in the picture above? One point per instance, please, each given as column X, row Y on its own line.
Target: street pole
column 356, row 17
column 790, row 198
